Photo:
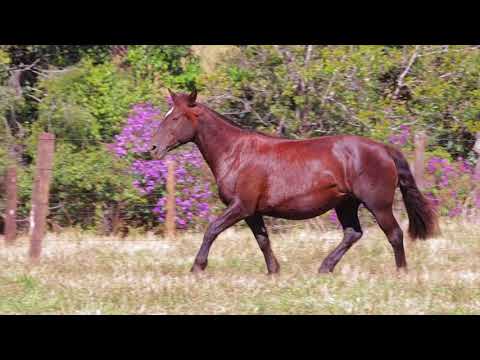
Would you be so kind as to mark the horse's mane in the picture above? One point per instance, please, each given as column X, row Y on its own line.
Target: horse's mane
column 234, row 124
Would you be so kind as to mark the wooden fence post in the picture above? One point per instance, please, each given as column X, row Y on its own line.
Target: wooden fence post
column 40, row 194
column 476, row 148
column 419, row 165
column 11, row 208
column 476, row 178
column 117, row 221
column 170, row 216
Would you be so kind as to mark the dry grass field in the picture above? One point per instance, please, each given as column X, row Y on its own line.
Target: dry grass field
column 83, row 274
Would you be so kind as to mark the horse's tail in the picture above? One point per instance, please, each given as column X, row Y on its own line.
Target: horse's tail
column 423, row 220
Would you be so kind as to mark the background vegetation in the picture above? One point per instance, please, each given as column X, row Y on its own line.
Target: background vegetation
column 88, row 96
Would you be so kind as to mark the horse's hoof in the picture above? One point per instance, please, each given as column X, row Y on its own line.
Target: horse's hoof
column 273, row 273
column 198, row 269
column 324, row 271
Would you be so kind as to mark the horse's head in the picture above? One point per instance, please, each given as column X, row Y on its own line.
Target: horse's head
column 179, row 125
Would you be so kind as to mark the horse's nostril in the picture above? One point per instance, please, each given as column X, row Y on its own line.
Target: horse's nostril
column 153, row 148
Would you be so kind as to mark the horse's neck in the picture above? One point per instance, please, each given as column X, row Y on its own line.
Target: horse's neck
column 216, row 139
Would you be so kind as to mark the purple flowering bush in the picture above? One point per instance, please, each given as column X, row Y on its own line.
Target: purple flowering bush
column 449, row 184
column 193, row 194
column 401, row 138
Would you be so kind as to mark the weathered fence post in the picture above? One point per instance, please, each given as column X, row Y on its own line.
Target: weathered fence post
column 476, row 148
column 117, row 220
column 11, row 206
column 419, row 165
column 40, row 194
column 476, row 178
column 170, row 216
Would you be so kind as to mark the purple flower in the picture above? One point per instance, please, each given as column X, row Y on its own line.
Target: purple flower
column 456, row 211
column 400, row 139
column 477, row 200
column 150, row 175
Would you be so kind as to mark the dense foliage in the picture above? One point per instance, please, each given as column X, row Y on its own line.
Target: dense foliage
column 102, row 103
column 318, row 90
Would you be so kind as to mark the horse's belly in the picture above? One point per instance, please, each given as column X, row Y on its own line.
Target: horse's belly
column 295, row 215
column 302, row 207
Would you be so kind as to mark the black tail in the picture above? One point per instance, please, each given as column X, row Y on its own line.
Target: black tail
column 421, row 214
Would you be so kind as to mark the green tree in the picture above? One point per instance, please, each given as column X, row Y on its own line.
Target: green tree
column 312, row 90
column 85, row 105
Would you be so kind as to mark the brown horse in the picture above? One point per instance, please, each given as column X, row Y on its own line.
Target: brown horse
column 262, row 175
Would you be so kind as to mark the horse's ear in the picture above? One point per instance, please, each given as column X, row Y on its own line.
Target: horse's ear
column 172, row 94
column 192, row 98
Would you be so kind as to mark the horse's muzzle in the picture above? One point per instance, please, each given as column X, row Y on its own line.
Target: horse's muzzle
column 158, row 154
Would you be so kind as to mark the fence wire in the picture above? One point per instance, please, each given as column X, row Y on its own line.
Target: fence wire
column 58, row 208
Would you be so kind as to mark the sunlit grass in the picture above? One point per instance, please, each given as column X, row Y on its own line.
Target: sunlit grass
column 82, row 274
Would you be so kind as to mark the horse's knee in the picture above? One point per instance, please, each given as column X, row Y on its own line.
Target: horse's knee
column 352, row 236
column 212, row 231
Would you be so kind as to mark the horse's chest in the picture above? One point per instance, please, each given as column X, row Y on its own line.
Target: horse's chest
column 226, row 188
column 248, row 184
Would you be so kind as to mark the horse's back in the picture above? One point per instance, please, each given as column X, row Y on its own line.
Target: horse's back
column 299, row 179
column 340, row 155
column 324, row 169
column 331, row 150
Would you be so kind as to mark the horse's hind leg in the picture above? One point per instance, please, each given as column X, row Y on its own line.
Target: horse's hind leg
column 347, row 213
column 377, row 193
column 259, row 230
column 390, row 227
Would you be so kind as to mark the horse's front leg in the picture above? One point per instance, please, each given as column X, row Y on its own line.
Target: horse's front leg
column 234, row 213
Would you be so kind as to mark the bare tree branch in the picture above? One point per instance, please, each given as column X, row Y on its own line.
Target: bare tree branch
column 21, row 130
column 297, row 78
column 14, row 82
column 34, row 98
column 308, row 54
column 246, row 105
column 476, row 147
column 24, row 67
column 446, row 48
column 289, row 62
column 7, row 127
column 400, row 83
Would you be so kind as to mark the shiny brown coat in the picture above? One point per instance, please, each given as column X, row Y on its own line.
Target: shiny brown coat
column 261, row 175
